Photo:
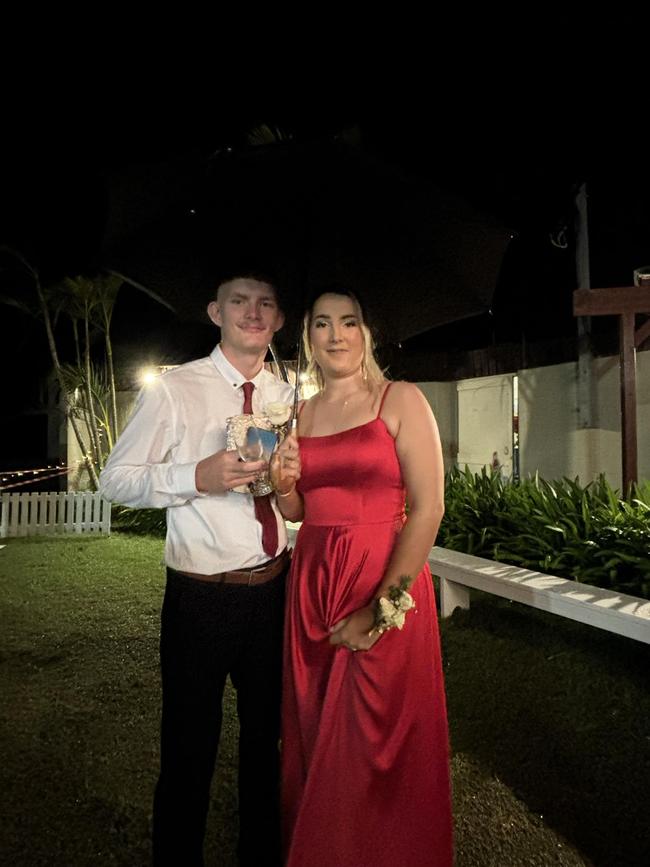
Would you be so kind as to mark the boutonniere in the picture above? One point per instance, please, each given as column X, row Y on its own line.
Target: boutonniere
column 278, row 413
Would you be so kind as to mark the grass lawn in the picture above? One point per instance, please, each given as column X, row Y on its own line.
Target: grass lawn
column 550, row 721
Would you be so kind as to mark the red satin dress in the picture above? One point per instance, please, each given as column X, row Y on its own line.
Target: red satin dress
column 365, row 764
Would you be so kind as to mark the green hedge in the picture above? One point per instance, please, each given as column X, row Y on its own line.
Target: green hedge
column 144, row 522
column 587, row 534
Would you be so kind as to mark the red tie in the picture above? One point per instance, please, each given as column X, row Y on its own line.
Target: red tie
column 263, row 508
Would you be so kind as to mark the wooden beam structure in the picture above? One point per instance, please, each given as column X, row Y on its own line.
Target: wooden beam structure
column 624, row 302
column 611, row 302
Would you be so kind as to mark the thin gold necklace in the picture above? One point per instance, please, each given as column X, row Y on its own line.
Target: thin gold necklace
column 347, row 399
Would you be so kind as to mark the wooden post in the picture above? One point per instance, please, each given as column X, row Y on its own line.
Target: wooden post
column 624, row 302
column 628, row 400
column 585, row 356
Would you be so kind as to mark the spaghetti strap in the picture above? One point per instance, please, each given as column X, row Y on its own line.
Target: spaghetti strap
column 383, row 398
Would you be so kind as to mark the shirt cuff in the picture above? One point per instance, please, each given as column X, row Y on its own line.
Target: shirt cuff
column 184, row 481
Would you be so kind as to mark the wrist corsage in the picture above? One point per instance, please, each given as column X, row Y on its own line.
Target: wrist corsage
column 390, row 611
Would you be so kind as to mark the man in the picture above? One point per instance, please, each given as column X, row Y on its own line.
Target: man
column 226, row 563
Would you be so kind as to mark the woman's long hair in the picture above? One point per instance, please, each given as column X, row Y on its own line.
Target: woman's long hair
column 372, row 373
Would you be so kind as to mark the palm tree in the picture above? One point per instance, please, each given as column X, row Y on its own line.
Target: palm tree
column 88, row 390
column 48, row 307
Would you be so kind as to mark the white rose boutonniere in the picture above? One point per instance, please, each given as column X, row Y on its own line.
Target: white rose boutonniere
column 278, row 413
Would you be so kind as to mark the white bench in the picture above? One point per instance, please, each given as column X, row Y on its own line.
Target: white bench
column 606, row 609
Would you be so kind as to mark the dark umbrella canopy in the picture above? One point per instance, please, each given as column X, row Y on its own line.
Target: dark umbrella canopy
column 313, row 215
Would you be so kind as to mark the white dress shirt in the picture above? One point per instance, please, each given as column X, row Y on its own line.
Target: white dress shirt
column 179, row 419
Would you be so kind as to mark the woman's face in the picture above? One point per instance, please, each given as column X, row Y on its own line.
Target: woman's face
column 335, row 335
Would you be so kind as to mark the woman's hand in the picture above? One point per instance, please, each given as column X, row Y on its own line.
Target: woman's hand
column 285, row 465
column 352, row 631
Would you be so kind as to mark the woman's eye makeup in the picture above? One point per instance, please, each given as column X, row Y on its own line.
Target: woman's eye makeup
column 348, row 323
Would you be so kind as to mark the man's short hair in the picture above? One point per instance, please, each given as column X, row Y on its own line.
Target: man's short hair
column 250, row 274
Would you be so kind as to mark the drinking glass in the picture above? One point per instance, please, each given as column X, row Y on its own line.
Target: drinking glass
column 251, row 448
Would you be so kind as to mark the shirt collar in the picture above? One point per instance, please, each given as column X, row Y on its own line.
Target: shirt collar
column 230, row 373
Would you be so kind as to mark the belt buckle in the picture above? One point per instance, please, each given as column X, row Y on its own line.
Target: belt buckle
column 256, row 570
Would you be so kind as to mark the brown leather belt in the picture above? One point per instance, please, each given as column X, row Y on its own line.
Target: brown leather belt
column 257, row 575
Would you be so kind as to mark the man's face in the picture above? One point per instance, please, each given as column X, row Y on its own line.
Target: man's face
column 248, row 314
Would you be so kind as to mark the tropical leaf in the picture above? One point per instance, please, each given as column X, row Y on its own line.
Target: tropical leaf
column 586, row 533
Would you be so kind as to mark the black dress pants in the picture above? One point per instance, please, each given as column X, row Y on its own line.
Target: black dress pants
column 210, row 631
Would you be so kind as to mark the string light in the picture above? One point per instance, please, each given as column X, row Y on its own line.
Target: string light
column 37, row 470
column 49, row 474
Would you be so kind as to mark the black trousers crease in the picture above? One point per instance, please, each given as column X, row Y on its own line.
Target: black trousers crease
column 210, row 631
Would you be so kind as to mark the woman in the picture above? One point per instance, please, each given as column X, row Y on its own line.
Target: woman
column 364, row 742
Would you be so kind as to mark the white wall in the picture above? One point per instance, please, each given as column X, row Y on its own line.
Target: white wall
column 442, row 399
column 548, row 417
column 485, row 409
column 550, row 441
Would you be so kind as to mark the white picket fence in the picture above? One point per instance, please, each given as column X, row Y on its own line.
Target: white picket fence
column 54, row 513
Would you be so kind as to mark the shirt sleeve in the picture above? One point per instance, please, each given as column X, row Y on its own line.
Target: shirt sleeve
column 140, row 471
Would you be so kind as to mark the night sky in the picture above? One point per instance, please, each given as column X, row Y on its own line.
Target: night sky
column 519, row 163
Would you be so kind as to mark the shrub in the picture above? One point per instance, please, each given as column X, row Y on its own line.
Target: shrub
column 143, row 522
column 586, row 534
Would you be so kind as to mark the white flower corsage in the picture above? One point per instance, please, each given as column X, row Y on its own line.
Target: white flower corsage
column 390, row 611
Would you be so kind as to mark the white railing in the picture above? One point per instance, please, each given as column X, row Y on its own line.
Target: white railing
column 53, row 513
